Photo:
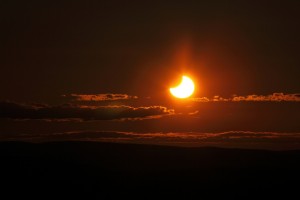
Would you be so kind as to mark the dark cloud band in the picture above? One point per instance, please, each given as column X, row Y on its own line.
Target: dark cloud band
column 62, row 112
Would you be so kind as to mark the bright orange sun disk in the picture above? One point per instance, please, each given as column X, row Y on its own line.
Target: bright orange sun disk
column 185, row 89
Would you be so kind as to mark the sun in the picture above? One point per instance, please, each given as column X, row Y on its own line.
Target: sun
column 184, row 89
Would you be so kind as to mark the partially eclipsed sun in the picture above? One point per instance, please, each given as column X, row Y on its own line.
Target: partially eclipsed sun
column 184, row 89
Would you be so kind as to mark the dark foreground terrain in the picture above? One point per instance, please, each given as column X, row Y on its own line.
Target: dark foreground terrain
column 107, row 168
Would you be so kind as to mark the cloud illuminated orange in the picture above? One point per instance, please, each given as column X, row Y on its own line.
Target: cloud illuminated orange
column 100, row 97
column 277, row 97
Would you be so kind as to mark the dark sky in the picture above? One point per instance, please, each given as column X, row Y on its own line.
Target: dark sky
column 53, row 48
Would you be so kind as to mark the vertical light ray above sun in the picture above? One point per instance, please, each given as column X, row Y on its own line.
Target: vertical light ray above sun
column 185, row 89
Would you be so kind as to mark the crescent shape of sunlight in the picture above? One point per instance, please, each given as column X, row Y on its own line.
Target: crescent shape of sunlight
column 184, row 89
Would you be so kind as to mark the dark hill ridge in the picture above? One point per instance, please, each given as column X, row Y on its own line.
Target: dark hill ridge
column 111, row 165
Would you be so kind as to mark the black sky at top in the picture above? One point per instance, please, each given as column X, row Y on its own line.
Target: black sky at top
column 52, row 48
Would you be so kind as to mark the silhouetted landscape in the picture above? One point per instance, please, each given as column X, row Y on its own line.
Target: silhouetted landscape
column 99, row 167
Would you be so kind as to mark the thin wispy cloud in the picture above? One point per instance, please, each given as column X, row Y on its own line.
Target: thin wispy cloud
column 275, row 97
column 232, row 139
column 100, row 97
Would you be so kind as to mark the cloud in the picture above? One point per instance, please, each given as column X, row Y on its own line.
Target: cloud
column 194, row 112
column 232, row 139
column 100, row 97
column 275, row 97
column 200, row 99
column 13, row 110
